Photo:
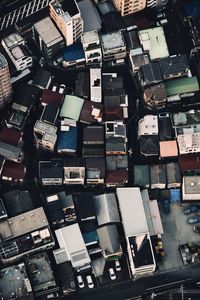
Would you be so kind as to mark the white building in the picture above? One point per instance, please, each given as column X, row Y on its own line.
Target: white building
column 72, row 246
column 189, row 143
column 92, row 47
column 95, row 85
column 191, row 188
column 14, row 45
column 136, row 231
column 45, row 135
column 67, row 16
column 113, row 46
column 148, row 125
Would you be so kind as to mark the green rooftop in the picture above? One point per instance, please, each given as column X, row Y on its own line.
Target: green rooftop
column 71, row 107
column 181, row 86
column 153, row 40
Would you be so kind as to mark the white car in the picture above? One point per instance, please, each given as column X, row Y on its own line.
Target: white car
column 112, row 274
column 90, row 282
column 80, row 281
column 62, row 88
column 117, row 265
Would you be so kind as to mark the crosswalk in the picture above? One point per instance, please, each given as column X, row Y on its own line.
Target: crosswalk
column 22, row 12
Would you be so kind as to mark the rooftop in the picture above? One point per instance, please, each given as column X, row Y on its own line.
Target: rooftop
column 24, row 223
column 89, row 14
column 112, row 40
column 14, row 283
column 70, row 6
column 13, row 39
column 73, row 52
column 90, row 36
column 71, row 107
column 181, row 86
column 48, row 31
column 153, row 40
column 3, row 61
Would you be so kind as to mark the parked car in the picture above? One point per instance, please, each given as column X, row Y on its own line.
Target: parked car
column 196, row 228
column 191, row 209
column 166, row 206
column 193, row 219
column 112, row 274
column 80, row 281
column 90, row 282
column 62, row 88
column 117, row 265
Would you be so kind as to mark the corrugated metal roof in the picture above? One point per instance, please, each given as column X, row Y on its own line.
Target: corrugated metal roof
column 181, row 86
column 132, row 211
column 89, row 14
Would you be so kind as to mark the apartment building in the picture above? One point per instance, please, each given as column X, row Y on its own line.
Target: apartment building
column 92, row 48
column 67, row 17
column 113, row 46
column 127, row 7
column 5, row 84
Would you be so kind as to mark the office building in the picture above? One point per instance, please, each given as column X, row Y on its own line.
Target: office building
column 127, row 7
column 113, row 46
column 67, row 17
column 5, row 84
column 47, row 37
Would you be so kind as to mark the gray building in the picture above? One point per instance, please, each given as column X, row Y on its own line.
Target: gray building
column 47, row 37
column 5, row 84
column 113, row 46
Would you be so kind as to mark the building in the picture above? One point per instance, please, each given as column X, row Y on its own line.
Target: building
column 3, row 212
column 73, row 56
column 116, row 140
column 16, row 49
column 113, row 46
column 141, row 175
column 95, row 85
column 150, row 74
column 179, row 88
column 82, row 83
column 42, row 79
column 5, row 84
column 109, row 241
column 127, row 7
column 106, row 209
column 67, row 137
column 72, row 247
column 153, row 40
column 92, row 48
column 51, row 172
column 148, row 125
column 20, row 287
column 95, row 170
column 139, row 247
column 90, row 16
column 41, row 275
column 189, row 143
column 155, row 96
column 45, row 135
column 85, row 206
column 74, row 171
column 174, row 66
column 190, row 188
column 67, row 17
column 22, row 105
column 93, row 141
column 157, row 4
column 47, row 37
column 24, row 234
column 13, row 172
column 158, row 176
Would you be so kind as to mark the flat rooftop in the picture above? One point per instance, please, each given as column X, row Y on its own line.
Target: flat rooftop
column 14, row 283
column 153, row 40
column 48, row 31
column 112, row 40
column 24, row 223
column 3, row 61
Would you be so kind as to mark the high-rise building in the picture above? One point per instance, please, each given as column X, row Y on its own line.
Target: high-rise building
column 5, row 83
column 127, row 7
column 67, row 17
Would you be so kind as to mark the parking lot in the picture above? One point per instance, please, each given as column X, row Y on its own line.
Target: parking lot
column 22, row 12
column 176, row 232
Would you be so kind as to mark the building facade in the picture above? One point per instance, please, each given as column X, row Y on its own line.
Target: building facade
column 5, row 83
column 127, row 7
column 67, row 17
column 92, row 47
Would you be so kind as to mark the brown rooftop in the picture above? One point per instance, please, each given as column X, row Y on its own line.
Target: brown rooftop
column 49, row 96
column 10, row 136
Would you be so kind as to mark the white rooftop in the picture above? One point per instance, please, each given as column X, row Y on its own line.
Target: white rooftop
column 90, row 37
column 148, row 125
column 13, row 39
column 189, row 143
column 17, row 52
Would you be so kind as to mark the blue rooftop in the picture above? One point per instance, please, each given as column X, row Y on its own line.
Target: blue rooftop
column 73, row 52
column 67, row 140
column 193, row 9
